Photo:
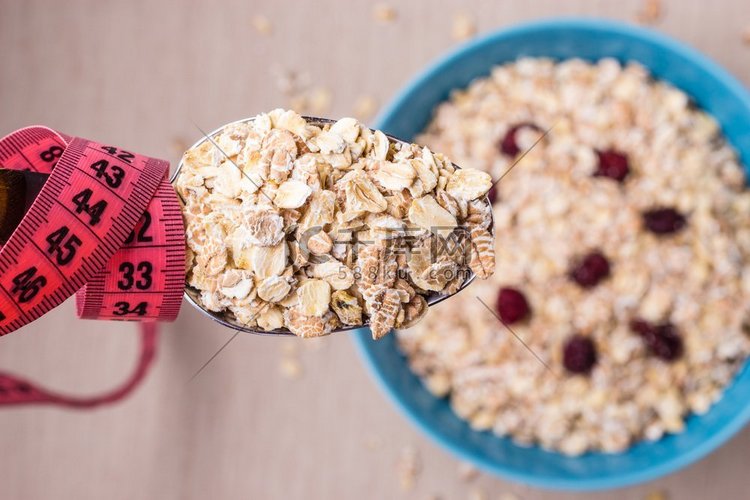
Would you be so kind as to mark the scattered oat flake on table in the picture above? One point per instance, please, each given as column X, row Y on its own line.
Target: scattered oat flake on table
column 301, row 97
column 746, row 36
column 299, row 102
column 478, row 494
column 262, row 25
column 464, row 27
column 320, row 100
column 290, row 82
column 651, row 12
column 290, row 367
column 409, row 466
column 365, row 107
column 384, row 13
column 467, row 472
column 289, row 346
column 178, row 145
column 657, row 495
column 289, row 363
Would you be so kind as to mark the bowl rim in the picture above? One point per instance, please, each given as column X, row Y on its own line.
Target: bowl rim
column 361, row 340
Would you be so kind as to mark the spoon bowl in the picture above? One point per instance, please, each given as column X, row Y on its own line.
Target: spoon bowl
column 192, row 294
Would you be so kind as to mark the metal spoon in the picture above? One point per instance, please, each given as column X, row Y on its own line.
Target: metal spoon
column 192, row 294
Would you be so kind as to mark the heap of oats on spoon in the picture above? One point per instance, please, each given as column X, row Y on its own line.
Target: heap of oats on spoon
column 309, row 226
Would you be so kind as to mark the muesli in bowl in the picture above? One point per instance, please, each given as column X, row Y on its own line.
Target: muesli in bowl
column 622, row 259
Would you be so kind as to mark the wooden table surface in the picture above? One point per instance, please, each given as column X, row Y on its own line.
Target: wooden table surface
column 141, row 74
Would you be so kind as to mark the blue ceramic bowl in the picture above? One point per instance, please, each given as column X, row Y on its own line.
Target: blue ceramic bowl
column 715, row 91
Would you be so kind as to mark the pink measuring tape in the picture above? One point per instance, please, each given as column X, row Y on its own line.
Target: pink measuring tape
column 107, row 226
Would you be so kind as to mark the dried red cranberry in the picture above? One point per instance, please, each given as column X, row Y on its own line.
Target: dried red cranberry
column 492, row 195
column 663, row 340
column 508, row 145
column 641, row 326
column 666, row 343
column 612, row 164
column 663, row 220
column 593, row 268
column 512, row 305
column 579, row 354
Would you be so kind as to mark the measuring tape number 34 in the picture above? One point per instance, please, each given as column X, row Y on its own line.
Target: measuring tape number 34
column 106, row 225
